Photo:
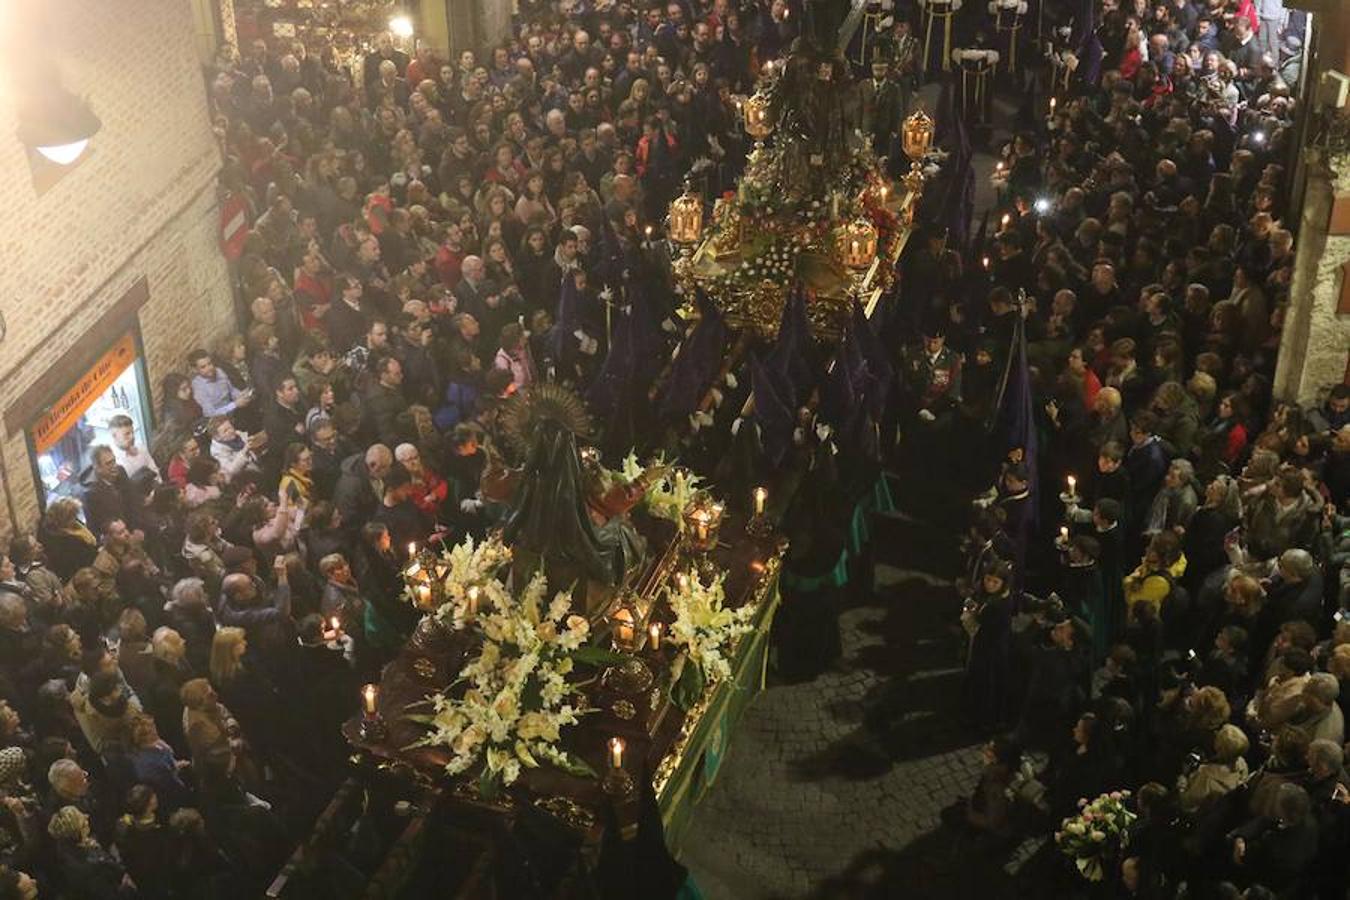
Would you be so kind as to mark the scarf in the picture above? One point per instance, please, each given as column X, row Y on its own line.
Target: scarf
column 81, row 533
column 303, row 482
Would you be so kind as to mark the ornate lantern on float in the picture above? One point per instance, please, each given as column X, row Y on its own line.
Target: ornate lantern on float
column 702, row 521
column 916, row 137
column 425, row 577
column 684, row 226
column 758, row 119
column 686, row 218
column 858, row 248
column 858, row 244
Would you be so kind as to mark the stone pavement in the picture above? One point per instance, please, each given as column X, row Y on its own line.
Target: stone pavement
column 826, row 781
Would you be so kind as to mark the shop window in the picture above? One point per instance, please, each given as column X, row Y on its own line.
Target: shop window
column 61, row 438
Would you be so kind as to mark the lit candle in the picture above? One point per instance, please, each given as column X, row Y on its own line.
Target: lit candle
column 761, row 494
column 1052, row 106
column 654, row 636
column 986, row 262
column 369, row 695
column 1064, row 534
column 473, row 601
column 998, row 167
column 616, row 753
column 337, row 624
column 885, row 190
column 1007, row 220
column 1073, row 483
column 682, row 580
column 424, row 596
column 412, row 550
column 624, row 629
column 701, row 526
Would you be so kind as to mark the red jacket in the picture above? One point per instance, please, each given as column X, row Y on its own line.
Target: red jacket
column 644, row 150
column 448, row 264
column 1092, row 386
column 429, row 492
column 312, row 293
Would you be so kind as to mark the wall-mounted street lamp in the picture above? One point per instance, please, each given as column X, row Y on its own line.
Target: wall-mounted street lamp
column 57, row 125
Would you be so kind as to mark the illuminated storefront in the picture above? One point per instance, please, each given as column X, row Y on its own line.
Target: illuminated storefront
column 60, row 438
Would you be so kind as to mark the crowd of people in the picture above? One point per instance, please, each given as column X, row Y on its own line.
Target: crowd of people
column 1156, row 582
column 184, row 636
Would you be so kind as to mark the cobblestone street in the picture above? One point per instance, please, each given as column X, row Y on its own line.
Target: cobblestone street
column 828, row 778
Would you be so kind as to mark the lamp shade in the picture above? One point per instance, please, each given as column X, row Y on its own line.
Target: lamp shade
column 686, row 218
column 58, row 125
column 758, row 119
column 858, row 243
column 916, row 136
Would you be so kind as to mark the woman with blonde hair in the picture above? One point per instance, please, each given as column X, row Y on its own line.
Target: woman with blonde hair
column 227, row 655
column 70, row 545
column 246, row 690
column 214, row 736
column 1225, row 769
column 87, row 870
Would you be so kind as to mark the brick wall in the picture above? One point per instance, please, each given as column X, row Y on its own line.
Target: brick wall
column 141, row 203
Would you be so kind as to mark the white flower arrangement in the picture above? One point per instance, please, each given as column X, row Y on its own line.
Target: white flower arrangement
column 975, row 55
column 667, row 497
column 469, row 565
column 511, row 702
column 706, row 631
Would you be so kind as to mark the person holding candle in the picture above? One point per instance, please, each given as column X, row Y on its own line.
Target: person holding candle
column 321, row 686
column 388, row 618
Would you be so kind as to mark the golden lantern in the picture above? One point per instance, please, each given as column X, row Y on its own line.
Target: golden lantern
column 916, row 135
column 625, row 627
column 686, row 218
column 858, row 243
column 702, row 521
column 758, row 119
column 425, row 577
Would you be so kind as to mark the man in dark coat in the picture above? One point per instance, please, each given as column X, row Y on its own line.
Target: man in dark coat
column 266, row 620
column 347, row 320
column 284, row 417
column 108, row 493
column 384, row 403
column 1057, row 687
column 359, row 485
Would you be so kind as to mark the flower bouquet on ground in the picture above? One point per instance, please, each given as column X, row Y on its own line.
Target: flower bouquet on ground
column 1098, row 835
column 707, row 633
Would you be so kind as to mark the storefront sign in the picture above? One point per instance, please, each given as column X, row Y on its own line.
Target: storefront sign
column 66, row 411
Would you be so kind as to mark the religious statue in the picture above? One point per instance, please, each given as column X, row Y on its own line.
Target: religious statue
column 822, row 123
column 560, row 516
